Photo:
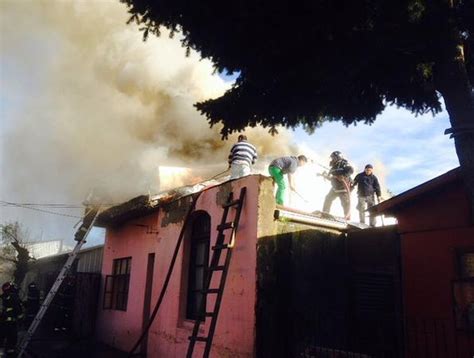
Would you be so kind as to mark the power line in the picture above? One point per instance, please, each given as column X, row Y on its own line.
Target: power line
column 59, row 206
column 51, row 205
column 9, row 204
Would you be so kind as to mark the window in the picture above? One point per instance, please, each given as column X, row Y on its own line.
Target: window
column 116, row 285
column 198, row 264
column 465, row 262
column 463, row 290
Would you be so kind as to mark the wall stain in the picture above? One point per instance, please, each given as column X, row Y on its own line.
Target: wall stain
column 176, row 211
column 222, row 194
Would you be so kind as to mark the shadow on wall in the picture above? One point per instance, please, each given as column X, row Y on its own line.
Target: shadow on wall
column 318, row 291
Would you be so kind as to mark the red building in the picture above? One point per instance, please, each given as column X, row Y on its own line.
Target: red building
column 436, row 232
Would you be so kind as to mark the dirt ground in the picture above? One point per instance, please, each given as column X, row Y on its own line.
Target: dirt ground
column 60, row 345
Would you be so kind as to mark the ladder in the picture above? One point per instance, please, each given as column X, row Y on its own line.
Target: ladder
column 215, row 266
column 80, row 236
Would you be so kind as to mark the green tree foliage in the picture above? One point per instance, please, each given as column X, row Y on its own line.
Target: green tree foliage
column 303, row 62
column 309, row 61
column 13, row 237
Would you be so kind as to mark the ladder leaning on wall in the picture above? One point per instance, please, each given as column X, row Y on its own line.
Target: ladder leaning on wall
column 215, row 266
column 80, row 236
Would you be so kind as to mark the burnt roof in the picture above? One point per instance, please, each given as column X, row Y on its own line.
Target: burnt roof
column 423, row 189
column 146, row 204
column 136, row 207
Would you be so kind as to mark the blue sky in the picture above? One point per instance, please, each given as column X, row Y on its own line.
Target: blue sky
column 408, row 150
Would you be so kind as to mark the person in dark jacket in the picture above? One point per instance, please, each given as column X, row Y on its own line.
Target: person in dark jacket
column 340, row 177
column 367, row 185
column 32, row 303
column 9, row 316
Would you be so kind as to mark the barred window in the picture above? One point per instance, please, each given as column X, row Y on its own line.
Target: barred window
column 116, row 285
column 198, row 264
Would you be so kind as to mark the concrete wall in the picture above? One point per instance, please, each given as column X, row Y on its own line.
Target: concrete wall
column 168, row 336
column 294, row 284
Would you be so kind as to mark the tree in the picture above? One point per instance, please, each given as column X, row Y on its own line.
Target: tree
column 304, row 62
column 13, row 238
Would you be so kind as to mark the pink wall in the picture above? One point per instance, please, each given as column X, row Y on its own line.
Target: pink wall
column 119, row 328
column 168, row 336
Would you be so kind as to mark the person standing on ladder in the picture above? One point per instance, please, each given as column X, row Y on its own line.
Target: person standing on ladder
column 340, row 177
column 241, row 157
column 367, row 185
column 281, row 166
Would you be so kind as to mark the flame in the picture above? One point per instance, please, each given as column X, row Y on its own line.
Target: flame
column 173, row 177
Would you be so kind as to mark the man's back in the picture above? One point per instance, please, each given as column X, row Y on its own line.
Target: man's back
column 243, row 152
column 286, row 164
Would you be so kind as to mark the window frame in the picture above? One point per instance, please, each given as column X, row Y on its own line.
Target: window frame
column 117, row 285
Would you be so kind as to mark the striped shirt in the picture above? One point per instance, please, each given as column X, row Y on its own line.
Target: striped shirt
column 243, row 152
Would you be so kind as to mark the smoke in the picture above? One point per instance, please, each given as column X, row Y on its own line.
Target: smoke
column 92, row 105
column 86, row 104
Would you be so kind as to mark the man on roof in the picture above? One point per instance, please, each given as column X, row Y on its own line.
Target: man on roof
column 340, row 177
column 367, row 185
column 241, row 157
column 281, row 166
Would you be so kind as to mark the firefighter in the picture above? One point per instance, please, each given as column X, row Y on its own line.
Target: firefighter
column 32, row 303
column 340, row 177
column 367, row 185
column 65, row 306
column 9, row 316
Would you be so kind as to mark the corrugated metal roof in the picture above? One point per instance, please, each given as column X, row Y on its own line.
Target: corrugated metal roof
column 316, row 218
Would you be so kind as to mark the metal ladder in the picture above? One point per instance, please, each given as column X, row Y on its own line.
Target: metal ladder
column 215, row 266
column 80, row 236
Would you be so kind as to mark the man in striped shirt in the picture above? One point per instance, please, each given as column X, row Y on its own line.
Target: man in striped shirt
column 241, row 157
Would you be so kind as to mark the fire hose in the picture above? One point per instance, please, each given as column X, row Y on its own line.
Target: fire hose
column 301, row 196
column 167, row 279
column 170, row 269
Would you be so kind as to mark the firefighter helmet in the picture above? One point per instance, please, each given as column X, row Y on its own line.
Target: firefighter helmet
column 336, row 155
column 7, row 286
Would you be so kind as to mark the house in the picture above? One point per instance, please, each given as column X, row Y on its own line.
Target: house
column 437, row 260
column 44, row 271
column 297, row 284
column 85, row 277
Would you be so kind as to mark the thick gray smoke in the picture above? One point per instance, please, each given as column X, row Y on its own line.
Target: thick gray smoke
column 90, row 104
